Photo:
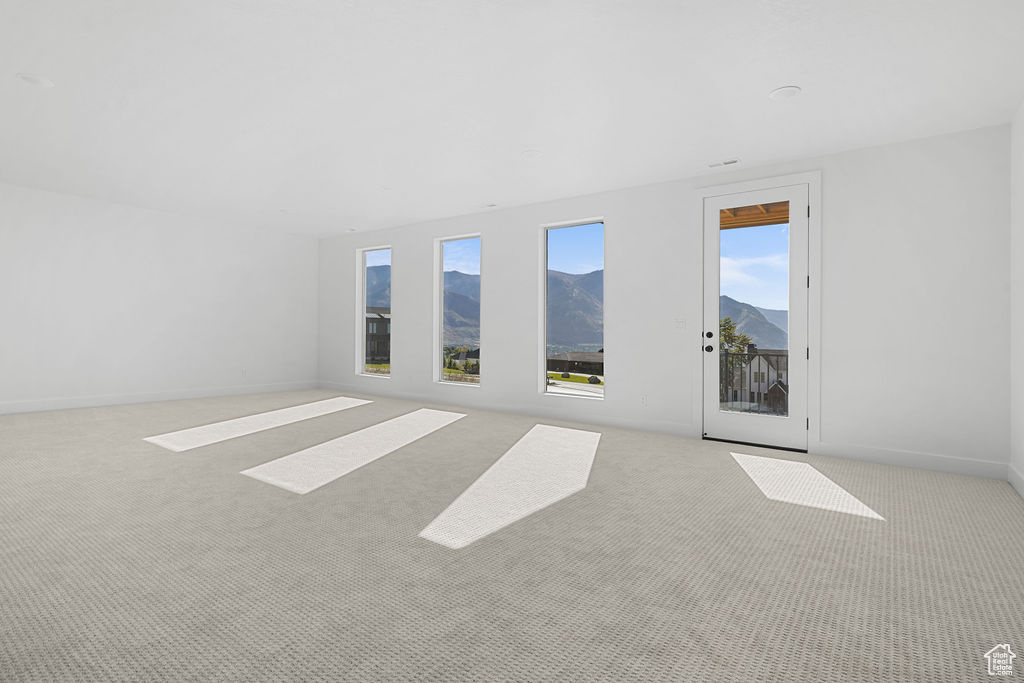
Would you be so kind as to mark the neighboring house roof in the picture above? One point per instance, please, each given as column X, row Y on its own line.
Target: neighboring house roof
column 378, row 312
column 769, row 355
column 772, row 356
column 781, row 385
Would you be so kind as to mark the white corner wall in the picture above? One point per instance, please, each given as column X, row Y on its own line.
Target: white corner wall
column 915, row 289
column 914, row 263
column 1017, row 302
column 103, row 303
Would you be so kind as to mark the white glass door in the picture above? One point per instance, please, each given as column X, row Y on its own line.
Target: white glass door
column 755, row 317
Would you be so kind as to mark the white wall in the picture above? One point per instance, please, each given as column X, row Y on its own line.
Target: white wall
column 103, row 303
column 1017, row 302
column 915, row 291
column 636, row 298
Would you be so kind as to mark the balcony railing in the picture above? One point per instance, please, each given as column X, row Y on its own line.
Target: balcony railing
column 754, row 382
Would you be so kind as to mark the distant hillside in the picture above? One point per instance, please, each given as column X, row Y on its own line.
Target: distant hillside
column 461, row 320
column 591, row 283
column 461, row 309
column 462, row 283
column 752, row 322
column 575, row 309
column 778, row 318
column 575, row 306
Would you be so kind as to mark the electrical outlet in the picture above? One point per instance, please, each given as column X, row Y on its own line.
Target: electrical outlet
column 643, row 400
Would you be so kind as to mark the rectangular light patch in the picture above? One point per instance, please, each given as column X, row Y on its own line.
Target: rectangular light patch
column 187, row 439
column 309, row 469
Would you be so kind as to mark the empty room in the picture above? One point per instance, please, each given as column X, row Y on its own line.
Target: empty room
column 451, row 340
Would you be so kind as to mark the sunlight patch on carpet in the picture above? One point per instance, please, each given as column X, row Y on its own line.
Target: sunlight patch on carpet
column 797, row 482
column 545, row 466
column 309, row 469
column 194, row 437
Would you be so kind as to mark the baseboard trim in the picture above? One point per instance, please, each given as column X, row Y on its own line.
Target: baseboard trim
column 69, row 402
column 1016, row 479
column 550, row 411
column 951, row 464
column 989, row 469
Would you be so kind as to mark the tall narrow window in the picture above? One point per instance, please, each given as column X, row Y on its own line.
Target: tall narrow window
column 575, row 311
column 377, row 311
column 460, row 310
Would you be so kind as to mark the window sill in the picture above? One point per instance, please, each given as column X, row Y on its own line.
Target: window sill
column 457, row 384
column 378, row 375
column 585, row 398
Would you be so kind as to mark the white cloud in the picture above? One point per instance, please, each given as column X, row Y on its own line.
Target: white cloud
column 742, row 271
column 463, row 265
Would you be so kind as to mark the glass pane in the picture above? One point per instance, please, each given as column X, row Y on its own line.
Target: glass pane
column 377, row 283
column 575, row 310
column 460, row 321
column 754, row 309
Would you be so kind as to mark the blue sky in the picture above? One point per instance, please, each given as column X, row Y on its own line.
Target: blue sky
column 755, row 265
column 378, row 257
column 579, row 249
column 462, row 255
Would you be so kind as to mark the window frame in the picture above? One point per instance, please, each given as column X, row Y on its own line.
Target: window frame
column 542, row 309
column 439, row 242
column 360, row 317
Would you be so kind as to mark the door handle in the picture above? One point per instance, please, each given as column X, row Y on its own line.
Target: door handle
column 709, row 348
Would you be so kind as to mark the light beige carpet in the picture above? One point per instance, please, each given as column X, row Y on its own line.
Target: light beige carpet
column 120, row 560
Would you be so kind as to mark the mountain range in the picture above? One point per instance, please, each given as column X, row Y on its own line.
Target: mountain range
column 575, row 310
column 766, row 327
column 575, row 306
column 461, row 309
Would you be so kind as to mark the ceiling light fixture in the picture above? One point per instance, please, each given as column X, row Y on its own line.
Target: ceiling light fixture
column 33, row 79
column 727, row 162
column 786, row 92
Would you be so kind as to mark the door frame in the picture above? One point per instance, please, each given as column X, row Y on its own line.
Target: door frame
column 814, row 242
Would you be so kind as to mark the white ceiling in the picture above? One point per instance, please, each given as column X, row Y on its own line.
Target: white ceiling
column 317, row 116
